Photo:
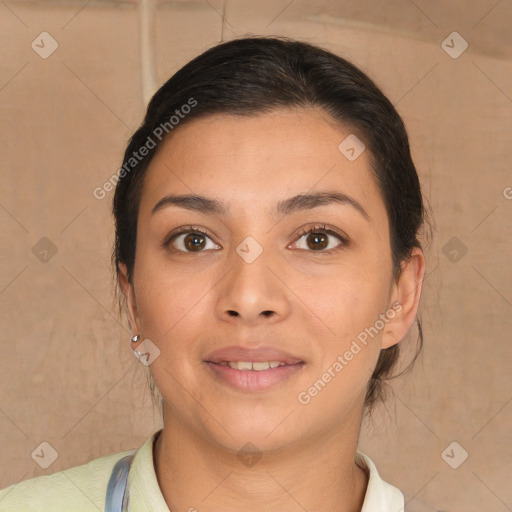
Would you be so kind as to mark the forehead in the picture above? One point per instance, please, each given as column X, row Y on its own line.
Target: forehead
column 254, row 162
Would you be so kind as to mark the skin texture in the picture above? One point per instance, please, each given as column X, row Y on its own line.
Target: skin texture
column 319, row 303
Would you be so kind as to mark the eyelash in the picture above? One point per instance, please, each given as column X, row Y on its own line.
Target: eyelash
column 319, row 228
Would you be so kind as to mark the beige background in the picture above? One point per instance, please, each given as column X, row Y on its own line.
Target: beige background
column 68, row 377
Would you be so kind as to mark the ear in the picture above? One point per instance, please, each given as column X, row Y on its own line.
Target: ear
column 405, row 299
column 130, row 300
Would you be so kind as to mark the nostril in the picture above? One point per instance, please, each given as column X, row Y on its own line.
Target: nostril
column 265, row 313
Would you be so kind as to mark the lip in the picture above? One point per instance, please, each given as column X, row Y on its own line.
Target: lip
column 251, row 380
column 260, row 354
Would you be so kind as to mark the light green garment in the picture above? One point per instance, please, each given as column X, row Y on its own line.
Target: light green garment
column 83, row 488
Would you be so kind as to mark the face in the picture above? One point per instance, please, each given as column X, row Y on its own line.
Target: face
column 248, row 274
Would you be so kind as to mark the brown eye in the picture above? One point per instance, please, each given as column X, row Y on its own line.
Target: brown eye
column 194, row 241
column 190, row 241
column 317, row 241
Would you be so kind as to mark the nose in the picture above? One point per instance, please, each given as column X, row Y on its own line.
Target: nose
column 252, row 293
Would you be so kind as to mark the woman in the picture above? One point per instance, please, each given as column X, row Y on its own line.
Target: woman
column 267, row 217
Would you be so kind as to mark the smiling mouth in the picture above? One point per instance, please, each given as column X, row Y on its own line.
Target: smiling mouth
column 254, row 376
column 257, row 366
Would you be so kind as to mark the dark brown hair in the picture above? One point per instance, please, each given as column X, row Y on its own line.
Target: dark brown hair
column 255, row 75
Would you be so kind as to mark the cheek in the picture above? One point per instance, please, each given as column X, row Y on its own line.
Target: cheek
column 170, row 310
column 172, row 317
column 168, row 305
column 166, row 293
column 349, row 303
column 349, row 298
column 347, row 347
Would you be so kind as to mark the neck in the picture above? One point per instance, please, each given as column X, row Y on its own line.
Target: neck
column 195, row 473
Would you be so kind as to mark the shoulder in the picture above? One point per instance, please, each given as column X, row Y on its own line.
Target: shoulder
column 78, row 488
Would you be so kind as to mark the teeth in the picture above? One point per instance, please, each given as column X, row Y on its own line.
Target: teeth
column 242, row 365
column 248, row 365
column 258, row 366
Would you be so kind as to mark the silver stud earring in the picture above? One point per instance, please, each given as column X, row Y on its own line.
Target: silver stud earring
column 136, row 338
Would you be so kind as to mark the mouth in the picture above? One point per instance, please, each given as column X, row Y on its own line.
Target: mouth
column 257, row 366
column 252, row 376
column 257, row 359
column 256, row 369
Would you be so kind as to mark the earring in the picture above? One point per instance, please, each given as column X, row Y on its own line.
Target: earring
column 136, row 338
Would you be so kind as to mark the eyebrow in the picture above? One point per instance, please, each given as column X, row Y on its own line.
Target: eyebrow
column 285, row 207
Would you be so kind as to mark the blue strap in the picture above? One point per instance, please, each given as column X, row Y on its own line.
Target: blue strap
column 117, row 484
